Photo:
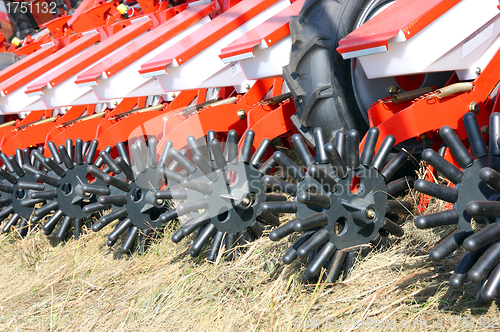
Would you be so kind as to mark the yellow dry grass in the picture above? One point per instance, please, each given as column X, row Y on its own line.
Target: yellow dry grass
column 82, row 285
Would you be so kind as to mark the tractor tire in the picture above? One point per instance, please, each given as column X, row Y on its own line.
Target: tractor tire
column 318, row 77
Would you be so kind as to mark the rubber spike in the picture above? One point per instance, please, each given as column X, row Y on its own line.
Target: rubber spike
column 110, row 162
column 7, row 163
column 11, row 223
column 316, row 220
column 138, row 161
column 291, row 168
column 279, row 207
column 314, row 242
column 302, row 150
column 476, row 140
column 53, row 151
column 291, row 253
column 45, row 209
column 369, row 148
column 204, row 236
column 79, row 151
column 193, row 145
column 246, row 149
column 451, row 243
column 123, row 153
column 68, row 162
column 328, row 183
column 451, row 172
column 69, row 148
column 393, row 165
column 352, row 149
column 340, row 143
column 383, row 152
column 216, row 242
column 485, row 263
column 205, row 167
column 393, row 228
column 319, row 141
column 494, row 134
column 399, row 185
column 182, row 160
column 321, row 201
column 260, row 152
column 77, row 224
column 26, row 157
column 198, row 186
column 335, row 265
column 449, row 217
column 280, row 185
column 99, row 161
column 320, row 259
column 457, row 148
column 194, row 205
column 113, row 199
column 19, row 156
column 152, row 144
column 128, row 244
column 55, row 167
column 217, row 153
column 461, row 272
column 490, row 290
column 335, row 160
column 179, row 194
column 65, row 225
column 210, row 136
column 231, row 150
column 282, row 231
column 19, row 171
column 49, row 226
column 442, row 192
column 482, row 238
column 119, row 230
column 483, row 208
column 195, row 223
column 267, row 166
column 95, row 207
column 491, row 177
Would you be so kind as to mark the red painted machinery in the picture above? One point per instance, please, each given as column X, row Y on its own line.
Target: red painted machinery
column 207, row 97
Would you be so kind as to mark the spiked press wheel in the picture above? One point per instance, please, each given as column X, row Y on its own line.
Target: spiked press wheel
column 18, row 186
column 227, row 188
column 131, row 193
column 475, row 195
column 341, row 201
column 62, row 179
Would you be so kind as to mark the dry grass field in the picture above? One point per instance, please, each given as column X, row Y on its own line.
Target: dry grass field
column 85, row 286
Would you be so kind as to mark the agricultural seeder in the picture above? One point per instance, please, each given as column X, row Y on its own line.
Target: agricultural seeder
column 224, row 114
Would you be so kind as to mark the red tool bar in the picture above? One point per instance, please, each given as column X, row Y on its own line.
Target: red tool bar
column 408, row 16
column 211, row 32
column 48, row 63
column 26, row 62
column 269, row 32
column 149, row 42
column 91, row 56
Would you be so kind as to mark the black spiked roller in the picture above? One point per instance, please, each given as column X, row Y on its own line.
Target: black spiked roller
column 340, row 202
column 224, row 193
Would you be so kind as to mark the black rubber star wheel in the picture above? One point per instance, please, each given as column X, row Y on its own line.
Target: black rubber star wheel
column 222, row 193
column 475, row 196
column 341, row 200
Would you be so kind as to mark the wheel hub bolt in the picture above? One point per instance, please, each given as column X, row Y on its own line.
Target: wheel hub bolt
column 246, row 201
column 160, row 201
column 370, row 213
